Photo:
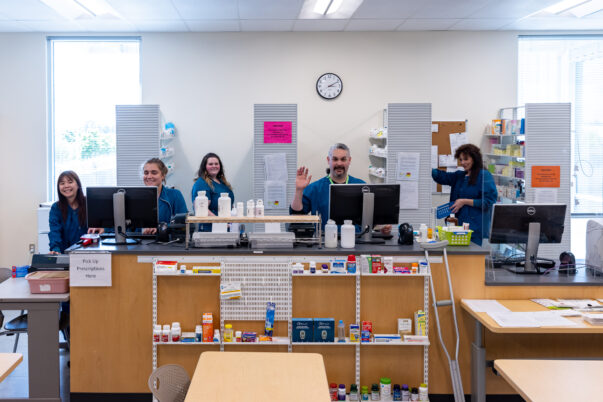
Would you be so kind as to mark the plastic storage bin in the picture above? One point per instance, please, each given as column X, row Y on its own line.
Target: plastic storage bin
column 455, row 239
column 48, row 281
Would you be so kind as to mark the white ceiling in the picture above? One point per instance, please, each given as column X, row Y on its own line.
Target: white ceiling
column 282, row 15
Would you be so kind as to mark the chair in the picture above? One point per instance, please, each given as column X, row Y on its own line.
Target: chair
column 169, row 383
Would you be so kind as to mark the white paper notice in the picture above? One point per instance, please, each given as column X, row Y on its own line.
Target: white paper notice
column 89, row 269
column 275, row 194
column 434, row 156
column 551, row 319
column 409, row 194
column 545, row 195
column 434, row 127
column 275, row 167
column 456, row 140
column 511, row 319
column 485, row 306
column 408, row 166
column 447, row 161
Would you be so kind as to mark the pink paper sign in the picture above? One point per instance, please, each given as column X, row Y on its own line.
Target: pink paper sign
column 277, row 132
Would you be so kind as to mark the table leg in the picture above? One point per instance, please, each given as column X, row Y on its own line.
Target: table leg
column 478, row 365
column 43, row 351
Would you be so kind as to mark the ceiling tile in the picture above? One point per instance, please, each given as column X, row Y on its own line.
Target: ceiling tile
column 415, row 24
column 213, row 25
column 373, row 25
column 387, row 9
column 432, row 9
column 53, row 26
column 145, row 9
column 269, row 9
column 555, row 23
column 207, row 9
column 160, row 25
column 27, row 10
column 511, row 8
column 267, row 25
column 481, row 24
column 94, row 25
column 13, row 26
column 319, row 25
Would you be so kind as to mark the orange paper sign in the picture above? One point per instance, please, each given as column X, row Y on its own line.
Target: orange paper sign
column 546, row 176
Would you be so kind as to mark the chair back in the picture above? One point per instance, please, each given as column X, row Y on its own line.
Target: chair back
column 169, row 383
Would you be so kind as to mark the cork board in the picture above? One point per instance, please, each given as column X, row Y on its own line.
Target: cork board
column 441, row 138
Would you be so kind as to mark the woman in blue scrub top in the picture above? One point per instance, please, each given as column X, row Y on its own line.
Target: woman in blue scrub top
column 473, row 191
column 67, row 219
column 211, row 179
column 170, row 201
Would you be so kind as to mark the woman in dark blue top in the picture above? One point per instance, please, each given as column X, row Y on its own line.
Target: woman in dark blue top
column 473, row 191
column 67, row 219
column 211, row 179
column 170, row 201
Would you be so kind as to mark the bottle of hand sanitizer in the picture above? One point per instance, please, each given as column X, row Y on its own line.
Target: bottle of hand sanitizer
column 201, row 204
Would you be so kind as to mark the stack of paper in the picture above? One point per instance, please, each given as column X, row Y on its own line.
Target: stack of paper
column 530, row 319
column 593, row 318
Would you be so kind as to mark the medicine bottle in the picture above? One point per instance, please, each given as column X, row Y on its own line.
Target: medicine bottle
column 348, row 234
column 386, row 389
column 259, row 208
column 224, row 205
column 198, row 333
column 452, row 220
column 157, row 333
column 250, row 208
column 165, row 333
column 414, row 394
column 364, row 393
column 240, row 209
column 330, row 234
column 423, row 395
column 312, row 267
column 341, row 331
column 375, row 393
column 201, row 204
column 353, row 392
column 228, row 333
column 397, row 392
column 405, row 393
column 341, row 392
column 238, row 336
column 176, row 332
column 333, row 391
column 351, row 264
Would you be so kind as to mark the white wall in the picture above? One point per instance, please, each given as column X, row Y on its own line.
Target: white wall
column 207, row 84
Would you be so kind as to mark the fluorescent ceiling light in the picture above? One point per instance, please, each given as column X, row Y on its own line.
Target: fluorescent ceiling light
column 584, row 9
column 333, row 9
column 82, row 9
column 563, row 6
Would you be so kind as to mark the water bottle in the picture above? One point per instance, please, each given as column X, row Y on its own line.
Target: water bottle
column 330, row 234
column 348, row 234
column 201, row 204
column 340, row 331
column 224, row 205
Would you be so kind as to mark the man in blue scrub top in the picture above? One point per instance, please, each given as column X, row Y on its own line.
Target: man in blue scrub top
column 314, row 197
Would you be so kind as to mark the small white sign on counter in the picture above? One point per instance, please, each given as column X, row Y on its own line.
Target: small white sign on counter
column 90, row 269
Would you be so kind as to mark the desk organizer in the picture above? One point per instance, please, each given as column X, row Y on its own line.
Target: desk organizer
column 48, row 282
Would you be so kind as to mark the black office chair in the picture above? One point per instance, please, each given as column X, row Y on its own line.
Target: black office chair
column 18, row 325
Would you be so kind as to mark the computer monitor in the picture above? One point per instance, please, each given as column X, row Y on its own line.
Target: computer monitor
column 529, row 224
column 366, row 205
column 122, row 208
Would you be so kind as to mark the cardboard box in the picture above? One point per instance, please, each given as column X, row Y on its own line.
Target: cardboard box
column 208, row 327
column 324, row 330
column 303, row 329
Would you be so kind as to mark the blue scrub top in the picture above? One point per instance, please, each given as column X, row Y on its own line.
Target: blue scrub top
column 170, row 203
column 212, row 196
column 316, row 198
column 483, row 193
column 64, row 233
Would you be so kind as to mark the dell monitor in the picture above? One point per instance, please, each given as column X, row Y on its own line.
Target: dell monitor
column 529, row 224
column 121, row 208
column 365, row 205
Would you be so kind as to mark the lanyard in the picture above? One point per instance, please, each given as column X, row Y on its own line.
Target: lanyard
column 346, row 179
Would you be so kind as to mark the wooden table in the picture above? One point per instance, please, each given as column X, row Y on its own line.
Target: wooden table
column 478, row 350
column 8, row 362
column 259, row 376
column 553, row 380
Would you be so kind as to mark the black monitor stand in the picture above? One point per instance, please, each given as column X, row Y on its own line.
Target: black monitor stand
column 368, row 208
column 119, row 219
column 530, row 264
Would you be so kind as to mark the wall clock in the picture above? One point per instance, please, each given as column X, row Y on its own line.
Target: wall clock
column 329, row 86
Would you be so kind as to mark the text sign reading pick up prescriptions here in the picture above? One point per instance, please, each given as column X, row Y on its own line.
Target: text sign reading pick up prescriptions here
column 90, row 269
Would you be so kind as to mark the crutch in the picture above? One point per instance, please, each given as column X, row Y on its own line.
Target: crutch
column 455, row 372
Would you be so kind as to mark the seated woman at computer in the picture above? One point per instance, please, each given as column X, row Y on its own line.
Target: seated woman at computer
column 212, row 179
column 473, row 191
column 67, row 219
column 170, row 201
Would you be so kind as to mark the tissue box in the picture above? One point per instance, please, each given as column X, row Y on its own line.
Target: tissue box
column 324, row 330
column 303, row 329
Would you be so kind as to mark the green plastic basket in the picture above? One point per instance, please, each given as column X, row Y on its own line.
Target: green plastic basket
column 455, row 239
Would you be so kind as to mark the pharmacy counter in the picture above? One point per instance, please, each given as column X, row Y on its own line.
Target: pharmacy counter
column 111, row 327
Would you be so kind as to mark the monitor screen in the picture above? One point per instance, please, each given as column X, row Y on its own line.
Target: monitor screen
column 345, row 202
column 511, row 222
column 140, row 205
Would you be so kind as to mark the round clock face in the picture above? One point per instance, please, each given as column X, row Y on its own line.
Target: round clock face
column 329, row 86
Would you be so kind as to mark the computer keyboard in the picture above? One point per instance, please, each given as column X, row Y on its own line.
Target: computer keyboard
column 131, row 235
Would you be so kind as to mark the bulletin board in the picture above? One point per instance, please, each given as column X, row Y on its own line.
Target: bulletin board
column 441, row 137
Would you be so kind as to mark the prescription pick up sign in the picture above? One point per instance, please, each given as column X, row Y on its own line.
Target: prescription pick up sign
column 90, row 269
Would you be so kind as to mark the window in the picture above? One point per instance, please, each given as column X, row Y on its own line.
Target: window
column 88, row 77
column 570, row 69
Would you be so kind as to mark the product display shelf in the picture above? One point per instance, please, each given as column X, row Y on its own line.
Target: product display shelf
column 378, row 138
column 507, row 177
column 176, row 273
column 276, row 340
column 389, row 274
column 322, row 275
column 187, row 343
column 346, row 343
column 395, row 343
column 517, row 158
